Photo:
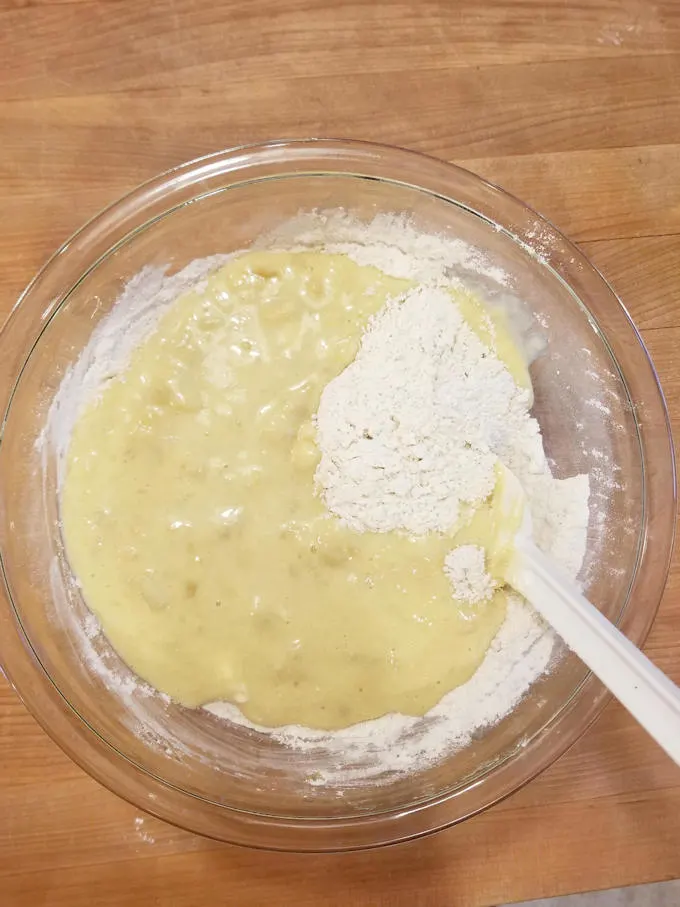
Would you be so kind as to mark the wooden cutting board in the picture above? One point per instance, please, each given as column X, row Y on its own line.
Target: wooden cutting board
column 574, row 107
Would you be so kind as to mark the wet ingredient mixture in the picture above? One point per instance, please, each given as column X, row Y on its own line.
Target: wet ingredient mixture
column 196, row 513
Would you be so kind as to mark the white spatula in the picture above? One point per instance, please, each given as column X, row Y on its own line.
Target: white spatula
column 651, row 697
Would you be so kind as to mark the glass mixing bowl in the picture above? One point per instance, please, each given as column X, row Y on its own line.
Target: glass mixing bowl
column 598, row 402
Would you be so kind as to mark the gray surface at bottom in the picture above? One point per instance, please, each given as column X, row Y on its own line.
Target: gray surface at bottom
column 662, row 894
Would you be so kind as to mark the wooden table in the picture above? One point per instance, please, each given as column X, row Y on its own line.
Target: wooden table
column 574, row 107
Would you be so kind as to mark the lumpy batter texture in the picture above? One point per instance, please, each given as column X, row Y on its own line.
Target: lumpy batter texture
column 192, row 522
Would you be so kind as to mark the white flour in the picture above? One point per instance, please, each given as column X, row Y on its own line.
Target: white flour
column 422, row 439
column 390, row 243
column 394, row 429
column 410, row 431
column 466, row 569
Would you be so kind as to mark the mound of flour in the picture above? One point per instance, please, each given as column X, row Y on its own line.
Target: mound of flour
column 409, row 432
column 466, row 569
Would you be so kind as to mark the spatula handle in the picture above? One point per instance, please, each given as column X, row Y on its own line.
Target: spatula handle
column 651, row 697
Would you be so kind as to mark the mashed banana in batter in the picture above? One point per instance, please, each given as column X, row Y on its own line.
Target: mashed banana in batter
column 191, row 519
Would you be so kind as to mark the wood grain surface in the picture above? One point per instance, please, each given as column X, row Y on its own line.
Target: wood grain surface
column 574, row 106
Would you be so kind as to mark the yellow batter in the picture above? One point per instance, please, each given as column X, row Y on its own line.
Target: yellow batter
column 191, row 520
